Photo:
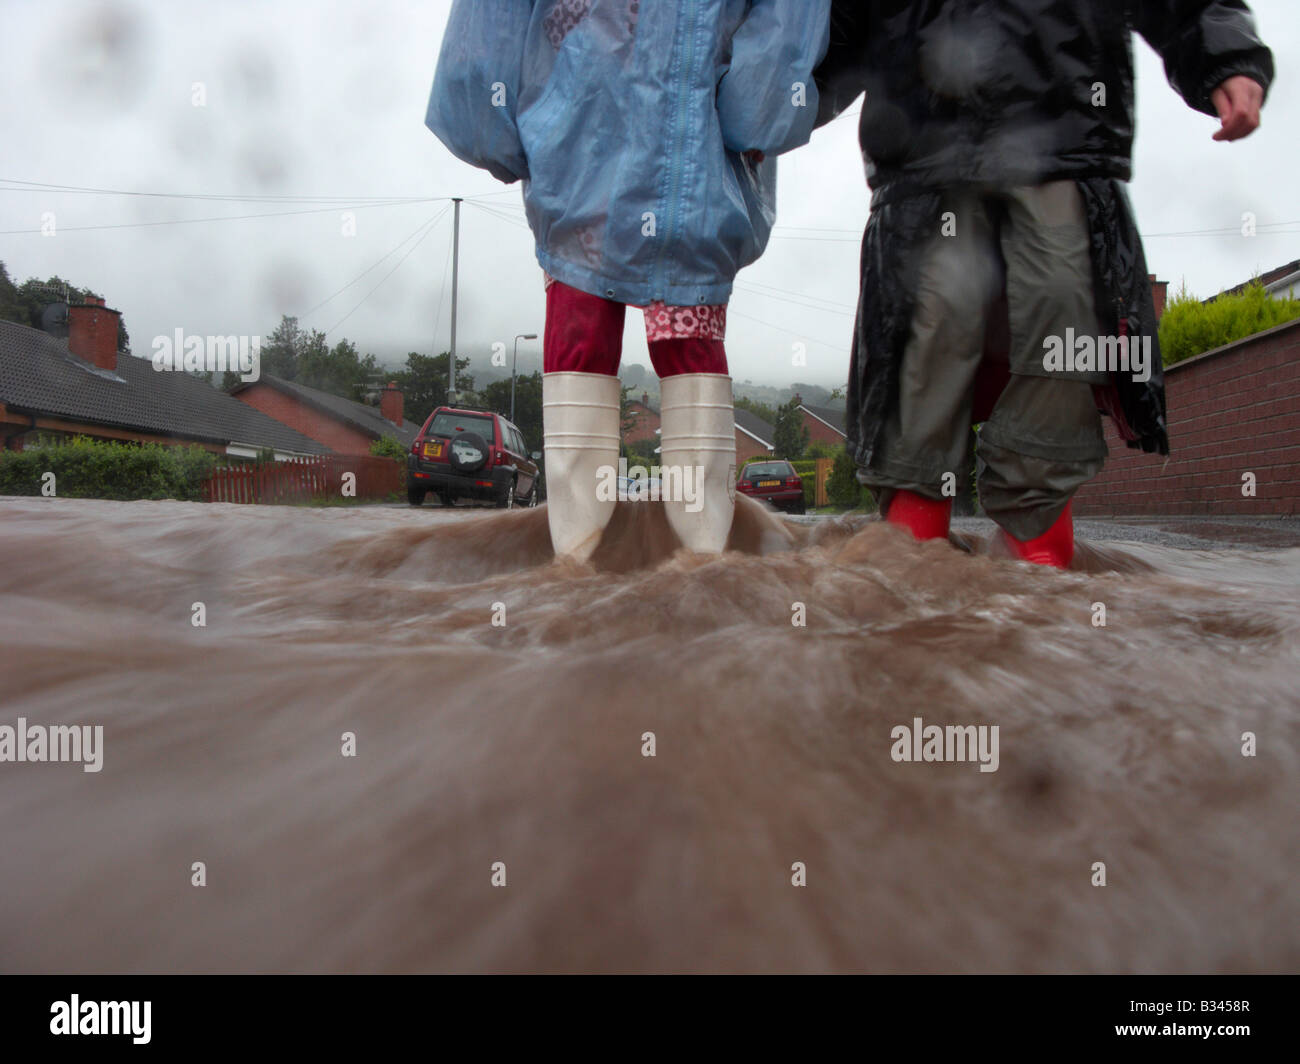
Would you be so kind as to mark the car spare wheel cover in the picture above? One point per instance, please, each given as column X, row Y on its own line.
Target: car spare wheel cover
column 467, row 452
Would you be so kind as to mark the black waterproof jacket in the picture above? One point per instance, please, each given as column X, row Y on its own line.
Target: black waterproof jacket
column 1008, row 93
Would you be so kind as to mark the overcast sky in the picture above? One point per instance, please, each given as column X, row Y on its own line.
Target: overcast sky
column 319, row 107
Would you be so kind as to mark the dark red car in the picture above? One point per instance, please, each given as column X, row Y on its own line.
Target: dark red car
column 471, row 454
column 775, row 482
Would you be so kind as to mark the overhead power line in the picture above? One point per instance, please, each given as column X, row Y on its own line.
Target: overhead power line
column 375, row 265
column 429, row 228
column 217, row 218
column 44, row 186
column 496, row 212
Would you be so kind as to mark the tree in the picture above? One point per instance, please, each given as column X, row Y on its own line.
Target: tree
column 11, row 309
column 339, row 370
column 308, row 359
column 24, row 303
column 790, row 435
column 424, row 383
column 756, row 408
column 626, row 419
column 280, row 351
column 634, row 376
column 528, row 405
column 842, row 485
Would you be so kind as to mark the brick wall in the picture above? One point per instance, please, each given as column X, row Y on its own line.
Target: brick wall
column 748, row 447
column 820, row 432
column 334, row 434
column 1232, row 411
column 643, row 422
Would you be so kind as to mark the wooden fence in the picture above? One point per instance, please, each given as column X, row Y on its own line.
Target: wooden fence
column 300, row 479
column 820, row 495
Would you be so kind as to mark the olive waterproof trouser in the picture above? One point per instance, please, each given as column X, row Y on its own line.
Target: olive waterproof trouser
column 1044, row 438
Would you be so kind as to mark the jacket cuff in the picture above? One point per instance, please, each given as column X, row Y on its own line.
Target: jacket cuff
column 1254, row 71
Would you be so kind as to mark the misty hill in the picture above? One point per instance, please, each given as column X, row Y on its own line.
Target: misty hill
column 641, row 378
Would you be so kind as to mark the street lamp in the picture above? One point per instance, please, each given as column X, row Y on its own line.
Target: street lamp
column 514, row 362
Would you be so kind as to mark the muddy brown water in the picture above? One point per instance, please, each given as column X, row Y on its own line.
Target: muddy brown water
column 523, row 744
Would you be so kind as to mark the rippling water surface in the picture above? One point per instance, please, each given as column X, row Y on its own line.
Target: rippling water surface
column 522, row 743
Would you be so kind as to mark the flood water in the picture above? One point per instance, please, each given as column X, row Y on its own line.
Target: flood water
column 521, row 742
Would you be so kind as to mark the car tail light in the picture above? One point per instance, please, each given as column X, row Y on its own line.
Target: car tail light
column 502, row 458
column 417, row 445
column 794, row 482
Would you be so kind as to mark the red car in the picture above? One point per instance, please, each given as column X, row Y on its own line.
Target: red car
column 471, row 454
column 775, row 482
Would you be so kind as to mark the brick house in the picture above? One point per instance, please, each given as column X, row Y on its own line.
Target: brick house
column 1281, row 283
column 754, row 436
column 824, row 425
column 340, row 425
column 80, row 384
column 642, row 420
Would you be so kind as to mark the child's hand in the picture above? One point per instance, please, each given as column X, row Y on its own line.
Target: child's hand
column 1238, row 101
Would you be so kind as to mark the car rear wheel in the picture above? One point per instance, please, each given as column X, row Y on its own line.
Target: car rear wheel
column 506, row 500
column 415, row 496
column 446, row 500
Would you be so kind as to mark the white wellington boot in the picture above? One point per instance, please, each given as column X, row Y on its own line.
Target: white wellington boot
column 580, row 425
column 697, row 451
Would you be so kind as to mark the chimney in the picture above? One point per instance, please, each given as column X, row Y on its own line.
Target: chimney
column 1159, row 293
column 390, row 403
column 92, row 332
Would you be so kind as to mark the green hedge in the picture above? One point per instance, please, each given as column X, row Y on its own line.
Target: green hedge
column 98, row 469
column 843, row 488
column 1190, row 327
column 389, row 447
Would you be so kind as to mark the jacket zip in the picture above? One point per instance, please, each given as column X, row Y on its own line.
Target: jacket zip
column 674, row 184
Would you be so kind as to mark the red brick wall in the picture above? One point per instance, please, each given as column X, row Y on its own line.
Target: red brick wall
column 338, row 437
column 92, row 333
column 644, row 423
column 748, row 447
column 820, row 432
column 1231, row 412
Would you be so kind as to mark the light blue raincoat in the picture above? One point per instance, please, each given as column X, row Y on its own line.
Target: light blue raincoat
column 625, row 120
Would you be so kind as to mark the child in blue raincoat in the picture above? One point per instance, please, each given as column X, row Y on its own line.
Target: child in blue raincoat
column 643, row 133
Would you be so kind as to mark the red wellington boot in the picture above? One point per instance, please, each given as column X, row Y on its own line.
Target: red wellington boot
column 924, row 518
column 1055, row 547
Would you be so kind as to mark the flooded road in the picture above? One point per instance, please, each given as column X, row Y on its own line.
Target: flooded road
column 515, row 750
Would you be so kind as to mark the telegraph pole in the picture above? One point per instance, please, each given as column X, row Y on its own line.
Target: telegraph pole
column 455, row 277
